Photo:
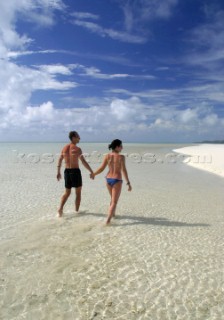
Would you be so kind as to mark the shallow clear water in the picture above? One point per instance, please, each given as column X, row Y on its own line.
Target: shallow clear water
column 162, row 257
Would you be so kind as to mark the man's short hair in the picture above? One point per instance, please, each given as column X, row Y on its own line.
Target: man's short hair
column 72, row 134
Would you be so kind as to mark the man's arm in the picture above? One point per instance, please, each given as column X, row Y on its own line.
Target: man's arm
column 86, row 165
column 59, row 166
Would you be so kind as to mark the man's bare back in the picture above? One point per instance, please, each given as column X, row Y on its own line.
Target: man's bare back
column 71, row 154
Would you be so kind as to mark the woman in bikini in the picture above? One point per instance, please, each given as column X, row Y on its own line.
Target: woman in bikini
column 116, row 165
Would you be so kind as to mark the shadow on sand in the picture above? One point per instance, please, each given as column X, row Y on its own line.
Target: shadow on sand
column 156, row 221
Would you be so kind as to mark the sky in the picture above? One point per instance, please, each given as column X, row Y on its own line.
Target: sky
column 138, row 70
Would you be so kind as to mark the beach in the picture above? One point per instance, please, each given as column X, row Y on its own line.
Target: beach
column 208, row 157
column 161, row 258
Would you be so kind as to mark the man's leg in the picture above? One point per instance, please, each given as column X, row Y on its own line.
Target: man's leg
column 63, row 201
column 78, row 198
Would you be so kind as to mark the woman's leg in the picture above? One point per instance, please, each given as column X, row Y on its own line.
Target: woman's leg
column 115, row 194
column 109, row 188
column 63, row 201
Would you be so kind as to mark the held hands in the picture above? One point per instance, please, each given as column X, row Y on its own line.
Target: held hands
column 92, row 176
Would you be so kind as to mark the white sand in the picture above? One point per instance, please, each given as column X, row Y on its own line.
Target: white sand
column 161, row 259
column 209, row 157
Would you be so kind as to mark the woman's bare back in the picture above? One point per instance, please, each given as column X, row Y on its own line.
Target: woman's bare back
column 115, row 163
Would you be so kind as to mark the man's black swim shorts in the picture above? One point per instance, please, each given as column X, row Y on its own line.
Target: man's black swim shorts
column 73, row 178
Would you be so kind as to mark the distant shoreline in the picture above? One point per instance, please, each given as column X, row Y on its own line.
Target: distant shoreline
column 106, row 142
column 125, row 142
column 213, row 142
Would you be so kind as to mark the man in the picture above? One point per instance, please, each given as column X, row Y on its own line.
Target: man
column 72, row 174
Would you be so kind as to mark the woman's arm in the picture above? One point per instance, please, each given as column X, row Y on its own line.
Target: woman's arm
column 125, row 173
column 102, row 167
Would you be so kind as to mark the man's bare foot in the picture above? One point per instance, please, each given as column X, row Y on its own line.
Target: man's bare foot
column 60, row 213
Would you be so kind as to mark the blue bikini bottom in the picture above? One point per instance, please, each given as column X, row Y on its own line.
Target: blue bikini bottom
column 112, row 181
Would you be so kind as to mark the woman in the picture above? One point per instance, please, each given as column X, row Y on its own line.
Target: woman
column 116, row 165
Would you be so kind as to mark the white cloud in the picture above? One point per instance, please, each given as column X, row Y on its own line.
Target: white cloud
column 125, row 36
column 43, row 112
column 122, row 110
column 39, row 11
column 120, row 35
column 136, row 13
column 102, row 57
column 211, row 119
column 164, row 8
column 84, row 15
column 128, row 16
column 132, row 119
column 113, row 34
column 186, row 97
column 96, row 73
column 188, row 115
column 36, row 11
column 16, row 54
column 208, row 41
column 18, row 83
column 148, row 10
column 56, row 69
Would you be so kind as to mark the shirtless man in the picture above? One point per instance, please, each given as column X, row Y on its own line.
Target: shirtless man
column 72, row 174
column 117, row 167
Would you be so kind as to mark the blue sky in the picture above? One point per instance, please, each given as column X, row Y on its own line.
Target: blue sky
column 138, row 70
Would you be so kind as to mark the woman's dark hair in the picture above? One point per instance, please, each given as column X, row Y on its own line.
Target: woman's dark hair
column 115, row 143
